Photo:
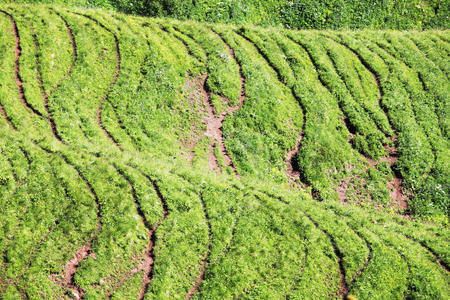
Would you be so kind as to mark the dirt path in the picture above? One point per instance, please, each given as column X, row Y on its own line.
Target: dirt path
column 215, row 124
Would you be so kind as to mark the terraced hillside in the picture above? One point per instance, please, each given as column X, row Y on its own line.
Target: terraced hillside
column 154, row 159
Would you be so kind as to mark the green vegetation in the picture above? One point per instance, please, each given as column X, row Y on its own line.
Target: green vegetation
column 158, row 159
column 297, row 14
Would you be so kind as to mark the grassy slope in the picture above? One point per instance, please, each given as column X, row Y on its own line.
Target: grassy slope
column 102, row 149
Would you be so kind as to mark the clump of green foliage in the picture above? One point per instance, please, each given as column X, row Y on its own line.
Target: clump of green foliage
column 297, row 14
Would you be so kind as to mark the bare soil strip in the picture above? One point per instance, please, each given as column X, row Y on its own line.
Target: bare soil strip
column 116, row 75
column 206, row 260
column 231, row 110
column 213, row 129
column 343, row 288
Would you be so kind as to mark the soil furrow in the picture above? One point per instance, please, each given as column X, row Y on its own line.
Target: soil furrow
column 293, row 170
column 397, row 181
column 149, row 270
column 18, row 51
column 445, row 266
column 116, row 75
column 74, row 57
column 231, row 110
column 442, row 263
column 206, row 260
column 146, row 264
column 366, row 111
column 351, row 130
column 72, row 265
column 396, row 184
column 343, row 288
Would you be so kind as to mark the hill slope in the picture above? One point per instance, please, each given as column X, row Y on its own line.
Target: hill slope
column 153, row 159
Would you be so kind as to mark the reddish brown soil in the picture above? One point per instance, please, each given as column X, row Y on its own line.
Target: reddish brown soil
column 213, row 130
column 71, row 267
column 2, row 112
column 215, row 124
column 293, row 173
column 198, row 282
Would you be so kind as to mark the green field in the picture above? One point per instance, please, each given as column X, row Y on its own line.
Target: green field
column 145, row 158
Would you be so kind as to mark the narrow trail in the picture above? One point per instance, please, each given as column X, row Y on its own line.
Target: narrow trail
column 213, row 123
column 293, row 170
column 206, row 260
column 116, row 75
column 18, row 51
column 231, row 110
column 344, row 287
